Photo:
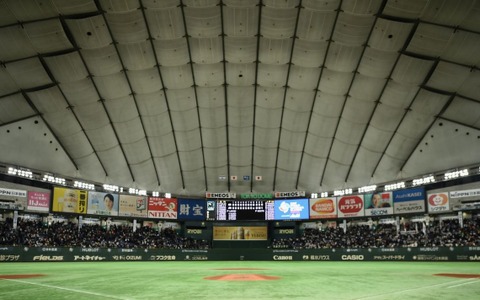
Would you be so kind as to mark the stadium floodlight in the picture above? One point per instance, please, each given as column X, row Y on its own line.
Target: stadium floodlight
column 343, row 192
column 20, row 172
column 52, row 179
column 395, row 186
column 424, row 180
column 367, row 188
column 83, row 185
column 456, row 174
column 111, row 188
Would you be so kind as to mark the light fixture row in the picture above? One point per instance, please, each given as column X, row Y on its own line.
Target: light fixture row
column 424, row 180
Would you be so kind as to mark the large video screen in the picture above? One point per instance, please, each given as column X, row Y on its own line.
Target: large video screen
column 292, row 209
column 243, row 210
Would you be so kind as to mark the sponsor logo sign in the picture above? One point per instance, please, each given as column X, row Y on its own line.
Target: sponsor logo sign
column 350, row 206
column 438, row 202
column 221, row 195
column 162, row 208
column 290, row 194
column 323, row 208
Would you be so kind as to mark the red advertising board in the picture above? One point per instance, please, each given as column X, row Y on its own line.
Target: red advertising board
column 323, row 208
column 162, row 208
column 350, row 206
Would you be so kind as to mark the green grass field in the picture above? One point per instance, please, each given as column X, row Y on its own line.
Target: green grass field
column 186, row 280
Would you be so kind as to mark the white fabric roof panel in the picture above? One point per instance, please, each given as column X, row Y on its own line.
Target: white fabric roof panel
column 16, row 45
column 172, row 52
column 343, row 58
column 14, row 107
column 102, row 61
column 388, row 35
column 278, row 22
column 208, row 75
column 47, row 36
column 471, row 87
column 377, row 63
column 170, row 95
column 80, row 92
column 309, row 53
column 8, row 85
column 6, row 15
column 275, row 51
column 206, row 50
column 448, row 77
column 314, row 25
column 28, row 73
column 240, row 50
column 352, row 30
column 203, row 22
column 67, row 68
column 463, row 111
column 137, row 56
column 240, row 21
column 90, row 33
column 128, row 27
column 145, row 81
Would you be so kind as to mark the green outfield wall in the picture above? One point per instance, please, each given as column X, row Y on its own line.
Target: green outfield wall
column 59, row 254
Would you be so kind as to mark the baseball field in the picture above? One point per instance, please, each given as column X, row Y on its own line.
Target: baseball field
column 240, row 280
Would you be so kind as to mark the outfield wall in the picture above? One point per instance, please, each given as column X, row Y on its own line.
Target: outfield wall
column 50, row 254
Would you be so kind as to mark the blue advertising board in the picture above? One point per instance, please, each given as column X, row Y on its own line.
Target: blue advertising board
column 191, row 209
column 291, row 209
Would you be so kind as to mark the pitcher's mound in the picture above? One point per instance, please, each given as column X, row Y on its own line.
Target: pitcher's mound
column 242, row 277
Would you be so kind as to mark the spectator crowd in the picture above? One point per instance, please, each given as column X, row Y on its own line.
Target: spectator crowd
column 445, row 233
column 34, row 233
column 59, row 234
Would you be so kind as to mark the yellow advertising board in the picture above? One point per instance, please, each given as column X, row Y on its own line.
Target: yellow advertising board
column 258, row 233
column 69, row 200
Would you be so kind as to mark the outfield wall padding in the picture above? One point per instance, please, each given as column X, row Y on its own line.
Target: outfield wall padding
column 60, row 254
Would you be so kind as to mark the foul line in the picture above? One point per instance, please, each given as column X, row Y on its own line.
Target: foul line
column 414, row 289
column 469, row 281
column 69, row 290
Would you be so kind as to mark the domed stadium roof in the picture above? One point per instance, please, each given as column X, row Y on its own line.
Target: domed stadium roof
column 241, row 96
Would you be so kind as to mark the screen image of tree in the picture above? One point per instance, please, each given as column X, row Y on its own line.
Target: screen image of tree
column 244, row 210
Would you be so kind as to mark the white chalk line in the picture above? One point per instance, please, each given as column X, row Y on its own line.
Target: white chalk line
column 414, row 289
column 469, row 281
column 68, row 289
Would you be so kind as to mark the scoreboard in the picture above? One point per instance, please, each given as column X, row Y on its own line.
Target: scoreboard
column 240, row 210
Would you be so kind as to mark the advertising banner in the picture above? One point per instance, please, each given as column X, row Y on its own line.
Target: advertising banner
column 290, row 194
column 323, row 208
column 100, row 203
column 409, row 201
column 438, row 202
column 69, row 200
column 350, row 206
column 132, row 206
column 13, row 198
column 38, row 201
column 291, row 209
column 378, row 204
column 162, row 208
column 191, row 209
column 259, row 233
column 473, row 193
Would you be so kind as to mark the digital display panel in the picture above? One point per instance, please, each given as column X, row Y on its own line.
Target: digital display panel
column 243, row 210
column 292, row 209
